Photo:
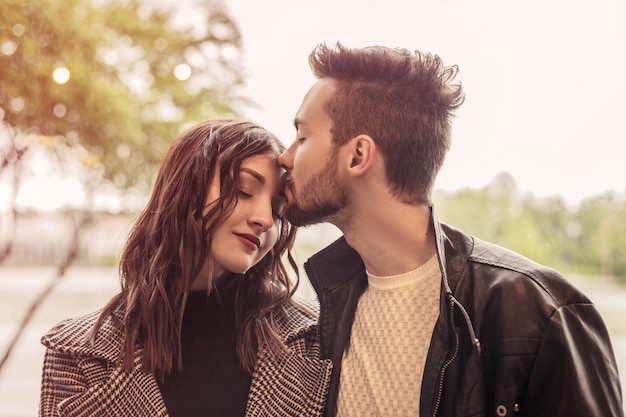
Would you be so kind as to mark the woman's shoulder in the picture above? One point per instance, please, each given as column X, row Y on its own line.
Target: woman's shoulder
column 72, row 335
column 298, row 318
column 70, row 329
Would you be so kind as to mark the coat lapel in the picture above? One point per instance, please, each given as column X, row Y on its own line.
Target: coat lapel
column 133, row 393
column 296, row 382
column 288, row 385
column 110, row 390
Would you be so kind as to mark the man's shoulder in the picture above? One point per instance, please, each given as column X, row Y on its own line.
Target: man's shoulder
column 466, row 248
column 498, row 266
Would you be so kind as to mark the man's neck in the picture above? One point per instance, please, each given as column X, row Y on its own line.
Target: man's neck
column 391, row 238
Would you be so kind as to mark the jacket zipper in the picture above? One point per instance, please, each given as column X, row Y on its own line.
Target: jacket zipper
column 448, row 362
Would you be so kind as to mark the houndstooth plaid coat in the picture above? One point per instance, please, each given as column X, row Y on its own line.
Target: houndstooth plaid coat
column 83, row 380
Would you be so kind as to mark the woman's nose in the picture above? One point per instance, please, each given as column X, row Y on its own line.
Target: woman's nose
column 262, row 216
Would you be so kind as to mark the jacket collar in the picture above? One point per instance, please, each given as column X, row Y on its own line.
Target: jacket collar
column 335, row 265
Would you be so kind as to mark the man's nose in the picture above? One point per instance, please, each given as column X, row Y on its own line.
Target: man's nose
column 285, row 159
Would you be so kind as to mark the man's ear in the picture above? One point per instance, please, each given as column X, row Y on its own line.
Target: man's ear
column 362, row 151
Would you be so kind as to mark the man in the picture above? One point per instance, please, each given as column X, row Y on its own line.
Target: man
column 418, row 317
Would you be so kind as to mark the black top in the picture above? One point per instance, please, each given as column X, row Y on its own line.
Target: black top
column 212, row 381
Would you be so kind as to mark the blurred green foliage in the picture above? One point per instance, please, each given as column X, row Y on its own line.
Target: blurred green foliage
column 589, row 238
column 122, row 103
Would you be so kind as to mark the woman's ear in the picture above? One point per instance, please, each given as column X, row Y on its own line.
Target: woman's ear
column 362, row 151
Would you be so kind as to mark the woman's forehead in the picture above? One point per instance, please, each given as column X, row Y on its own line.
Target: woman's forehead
column 263, row 167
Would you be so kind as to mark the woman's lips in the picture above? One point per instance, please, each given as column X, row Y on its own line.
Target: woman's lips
column 248, row 240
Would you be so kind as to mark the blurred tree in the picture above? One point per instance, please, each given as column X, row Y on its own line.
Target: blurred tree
column 486, row 213
column 548, row 229
column 113, row 81
column 619, row 242
column 602, row 248
column 590, row 239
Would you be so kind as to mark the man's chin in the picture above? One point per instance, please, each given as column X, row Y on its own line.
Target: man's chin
column 302, row 218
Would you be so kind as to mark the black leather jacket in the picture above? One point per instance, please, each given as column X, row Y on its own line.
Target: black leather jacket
column 512, row 338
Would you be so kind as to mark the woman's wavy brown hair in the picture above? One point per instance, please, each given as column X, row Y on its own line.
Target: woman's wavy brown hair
column 165, row 251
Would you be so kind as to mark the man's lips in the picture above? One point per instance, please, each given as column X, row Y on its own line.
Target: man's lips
column 251, row 241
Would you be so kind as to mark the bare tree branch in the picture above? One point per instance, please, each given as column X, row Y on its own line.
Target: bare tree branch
column 12, row 157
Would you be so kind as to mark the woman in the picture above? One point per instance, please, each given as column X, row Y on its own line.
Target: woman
column 204, row 323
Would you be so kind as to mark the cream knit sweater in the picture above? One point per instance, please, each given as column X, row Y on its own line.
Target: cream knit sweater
column 382, row 369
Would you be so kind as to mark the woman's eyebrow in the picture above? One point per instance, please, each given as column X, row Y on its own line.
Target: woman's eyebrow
column 260, row 178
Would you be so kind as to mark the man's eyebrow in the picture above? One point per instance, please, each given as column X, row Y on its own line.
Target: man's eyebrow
column 260, row 178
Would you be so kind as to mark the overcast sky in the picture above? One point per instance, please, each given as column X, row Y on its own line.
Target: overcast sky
column 544, row 81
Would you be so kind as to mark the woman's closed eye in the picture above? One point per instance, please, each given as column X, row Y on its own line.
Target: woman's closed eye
column 244, row 194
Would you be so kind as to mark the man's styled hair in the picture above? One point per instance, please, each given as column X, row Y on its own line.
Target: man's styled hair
column 169, row 242
column 403, row 100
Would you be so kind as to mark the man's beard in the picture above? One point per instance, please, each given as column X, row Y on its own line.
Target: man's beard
column 319, row 199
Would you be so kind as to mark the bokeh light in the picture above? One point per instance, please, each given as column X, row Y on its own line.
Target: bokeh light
column 182, row 72
column 61, row 75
